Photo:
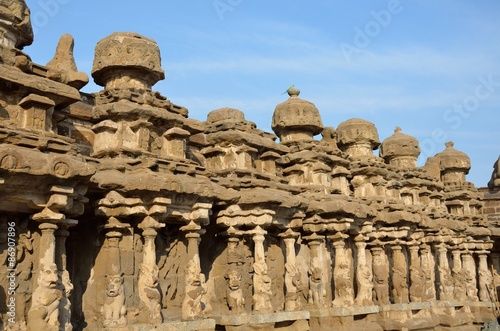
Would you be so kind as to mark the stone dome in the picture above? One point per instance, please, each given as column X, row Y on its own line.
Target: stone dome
column 225, row 114
column 400, row 147
column 15, row 24
column 296, row 118
column 452, row 159
column 127, row 60
column 357, row 137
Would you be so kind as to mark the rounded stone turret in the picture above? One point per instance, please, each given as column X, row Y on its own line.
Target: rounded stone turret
column 357, row 137
column 15, row 24
column 225, row 114
column 126, row 60
column 400, row 150
column 454, row 165
column 296, row 119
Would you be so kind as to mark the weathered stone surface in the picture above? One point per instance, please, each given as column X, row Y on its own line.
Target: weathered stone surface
column 131, row 216
column 296, row 119
column 15, row 24
column 357, row 137
column 126, row 59
column 400, row 150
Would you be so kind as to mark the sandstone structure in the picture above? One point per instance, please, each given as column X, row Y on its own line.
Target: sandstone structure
column 119, row 212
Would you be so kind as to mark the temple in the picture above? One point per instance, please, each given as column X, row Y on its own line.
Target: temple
column 119, row 212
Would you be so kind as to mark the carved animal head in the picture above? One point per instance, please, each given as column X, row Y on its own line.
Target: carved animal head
column 316, row 274
column 114, row 285
column 48, row 276
column 234, row 279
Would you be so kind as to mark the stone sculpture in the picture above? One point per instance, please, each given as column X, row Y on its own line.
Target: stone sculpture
column 114, row 310
column 316, row 290
column 148, row 292
column 380, row 278
column 262, row 289
column 46, row 298
column 295, row 293
column 400, row 286
column 344, row 292
column 192, row 306
column 234, row 293
column 365, row 286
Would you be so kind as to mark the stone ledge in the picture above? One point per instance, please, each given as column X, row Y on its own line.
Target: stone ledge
column 197, row 325
column 406, row 306
column 253, row 319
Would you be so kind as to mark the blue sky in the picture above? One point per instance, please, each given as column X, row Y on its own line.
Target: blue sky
column 430, row 67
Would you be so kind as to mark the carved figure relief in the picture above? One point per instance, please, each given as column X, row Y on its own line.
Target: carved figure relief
column 486, row 290
column 446, row 284
column 380, row 278
column 470, row 284
column 262, row 289
column 114, row 309
column 149, row 293
column 295, row 290
column 24, row 269
column 192, row 305
column 417, row 284
column 234, row 293
column 459, row 291
column 44, row 312
column 317, row 291
column 400, row 286
column 344, row 292
column 365, row 286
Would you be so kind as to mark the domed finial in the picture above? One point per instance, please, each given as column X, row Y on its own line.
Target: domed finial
column 397, row 129
column 293, row 92
column 125, row 60
column 449, row 144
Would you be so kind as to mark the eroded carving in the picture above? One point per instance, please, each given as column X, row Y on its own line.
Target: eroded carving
column 114, row 310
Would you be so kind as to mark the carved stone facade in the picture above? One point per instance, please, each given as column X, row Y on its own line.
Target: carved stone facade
column 119, row 212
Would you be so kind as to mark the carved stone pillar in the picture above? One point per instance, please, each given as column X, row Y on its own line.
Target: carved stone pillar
column 445, row 279
column 65, row 284
column 317, row 291
column 364, row 276
column 47, row 243
column 344, row 292
column 486, row 289
column 427, row 267
column 380, row 276
column 234, row 292
column 399, row 276
column 293, row 279
column 147, row 285
column 416, row 276
column 261, row 281
column 44, row 311
column 114, row 309
column 459, row 290
column 469, row 268
column 192, row 307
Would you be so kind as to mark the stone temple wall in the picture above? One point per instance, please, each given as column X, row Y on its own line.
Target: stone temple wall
column 119, row 212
